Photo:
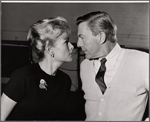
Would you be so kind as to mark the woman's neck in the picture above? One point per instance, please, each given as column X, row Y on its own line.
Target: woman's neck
column 49, row 67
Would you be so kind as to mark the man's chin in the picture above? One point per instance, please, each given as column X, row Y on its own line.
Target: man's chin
column 88, row 57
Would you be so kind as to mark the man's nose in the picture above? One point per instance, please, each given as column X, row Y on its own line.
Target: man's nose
column 79, row 43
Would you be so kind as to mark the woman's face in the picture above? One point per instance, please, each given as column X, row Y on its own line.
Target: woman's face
column 63, row 49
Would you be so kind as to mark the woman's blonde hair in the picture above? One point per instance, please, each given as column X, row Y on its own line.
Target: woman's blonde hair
column 47, row 30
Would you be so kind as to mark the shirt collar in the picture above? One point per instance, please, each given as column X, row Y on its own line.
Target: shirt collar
column 113, row 55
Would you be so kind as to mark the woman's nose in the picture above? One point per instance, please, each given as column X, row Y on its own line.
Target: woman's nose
column 71, row 46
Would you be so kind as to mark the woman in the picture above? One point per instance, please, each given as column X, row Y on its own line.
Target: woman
column 40, row 91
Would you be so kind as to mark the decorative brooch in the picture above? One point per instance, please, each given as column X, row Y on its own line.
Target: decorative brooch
column 43, row 84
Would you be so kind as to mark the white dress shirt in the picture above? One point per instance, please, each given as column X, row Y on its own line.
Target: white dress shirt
column 112, row 63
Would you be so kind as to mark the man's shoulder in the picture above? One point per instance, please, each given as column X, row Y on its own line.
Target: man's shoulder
column 137, row 57
column 137, row 54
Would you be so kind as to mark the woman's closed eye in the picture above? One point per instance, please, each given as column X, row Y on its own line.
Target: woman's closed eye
column 67, row 41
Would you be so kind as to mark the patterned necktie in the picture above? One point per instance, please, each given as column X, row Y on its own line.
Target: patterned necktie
column 100, row 76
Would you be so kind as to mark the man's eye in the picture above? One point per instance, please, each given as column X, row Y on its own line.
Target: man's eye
column 82, row 38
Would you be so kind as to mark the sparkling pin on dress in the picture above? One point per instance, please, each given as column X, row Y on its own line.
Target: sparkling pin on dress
column 43, row 84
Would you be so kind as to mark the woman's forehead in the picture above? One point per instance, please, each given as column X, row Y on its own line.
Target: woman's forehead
column 61, row 38
column 63, row 35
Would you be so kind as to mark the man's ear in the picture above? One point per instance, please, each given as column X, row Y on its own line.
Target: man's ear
column 102, row 37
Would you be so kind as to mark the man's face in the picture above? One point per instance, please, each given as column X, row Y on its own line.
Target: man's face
column 88, row 42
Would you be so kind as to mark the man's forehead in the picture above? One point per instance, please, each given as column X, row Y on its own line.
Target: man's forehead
column 82, row 25
column 83, row 28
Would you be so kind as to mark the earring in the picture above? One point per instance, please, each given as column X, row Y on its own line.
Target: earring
column 52, row 55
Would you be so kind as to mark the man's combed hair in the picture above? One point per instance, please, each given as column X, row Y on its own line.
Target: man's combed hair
column 46, row 30
column 100, row 21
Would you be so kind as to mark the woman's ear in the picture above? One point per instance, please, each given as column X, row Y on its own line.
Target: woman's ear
column 50, row 51
column 47, row 47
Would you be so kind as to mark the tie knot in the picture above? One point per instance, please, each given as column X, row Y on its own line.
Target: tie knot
column 103, row 61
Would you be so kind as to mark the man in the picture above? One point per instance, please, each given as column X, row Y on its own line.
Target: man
column 124, row 73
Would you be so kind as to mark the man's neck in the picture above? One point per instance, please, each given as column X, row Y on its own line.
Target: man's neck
column 108, row 47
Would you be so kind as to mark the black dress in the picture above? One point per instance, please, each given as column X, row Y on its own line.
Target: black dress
column 39, row 96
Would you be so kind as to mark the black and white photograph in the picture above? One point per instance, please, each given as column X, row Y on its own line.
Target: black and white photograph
column 74, row 61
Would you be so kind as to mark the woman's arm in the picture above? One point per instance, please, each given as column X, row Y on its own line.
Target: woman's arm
column 7, row 105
